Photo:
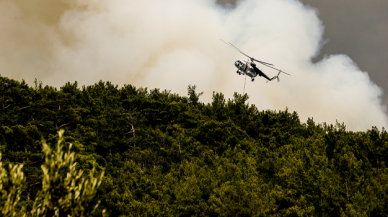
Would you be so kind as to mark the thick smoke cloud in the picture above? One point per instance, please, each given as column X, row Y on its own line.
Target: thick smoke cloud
column 360, row 30
column 170, row 44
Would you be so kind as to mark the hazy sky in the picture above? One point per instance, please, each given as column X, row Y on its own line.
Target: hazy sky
column 170, row 44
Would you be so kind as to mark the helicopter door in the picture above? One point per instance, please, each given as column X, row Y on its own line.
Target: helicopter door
column 243, row 66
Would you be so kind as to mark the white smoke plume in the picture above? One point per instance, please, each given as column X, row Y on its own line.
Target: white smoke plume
column 170, row 44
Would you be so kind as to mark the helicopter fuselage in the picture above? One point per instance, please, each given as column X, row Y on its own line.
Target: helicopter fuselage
column 248, row 67
column 245, row 67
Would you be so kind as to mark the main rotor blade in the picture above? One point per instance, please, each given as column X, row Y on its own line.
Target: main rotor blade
column 230, row 44
column 278, row 70
column 264, row 63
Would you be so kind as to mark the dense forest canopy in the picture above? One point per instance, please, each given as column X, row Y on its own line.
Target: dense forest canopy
column 165, row 154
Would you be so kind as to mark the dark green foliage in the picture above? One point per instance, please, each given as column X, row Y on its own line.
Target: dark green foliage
column 165, row 154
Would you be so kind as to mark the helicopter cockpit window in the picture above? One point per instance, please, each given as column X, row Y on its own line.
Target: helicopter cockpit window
column 238, row 63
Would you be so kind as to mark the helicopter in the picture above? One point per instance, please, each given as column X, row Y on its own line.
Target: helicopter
column 248, row 67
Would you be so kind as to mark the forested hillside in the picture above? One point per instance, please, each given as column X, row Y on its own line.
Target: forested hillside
column 165, row 154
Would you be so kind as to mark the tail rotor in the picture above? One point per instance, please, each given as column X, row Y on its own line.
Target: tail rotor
column 277, row 77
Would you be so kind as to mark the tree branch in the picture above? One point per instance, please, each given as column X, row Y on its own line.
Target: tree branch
column 383, row 212
column 34, row 183
column 64, row 125
column 12, row 105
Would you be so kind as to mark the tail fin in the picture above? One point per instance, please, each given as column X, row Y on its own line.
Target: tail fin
column 277, row 76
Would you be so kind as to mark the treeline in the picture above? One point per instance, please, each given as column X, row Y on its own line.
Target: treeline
column 170, row 155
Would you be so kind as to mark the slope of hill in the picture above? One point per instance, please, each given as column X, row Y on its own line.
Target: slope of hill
column 166, row 154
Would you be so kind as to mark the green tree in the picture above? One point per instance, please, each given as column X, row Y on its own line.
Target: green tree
column 11, row 182
column 65, row 189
